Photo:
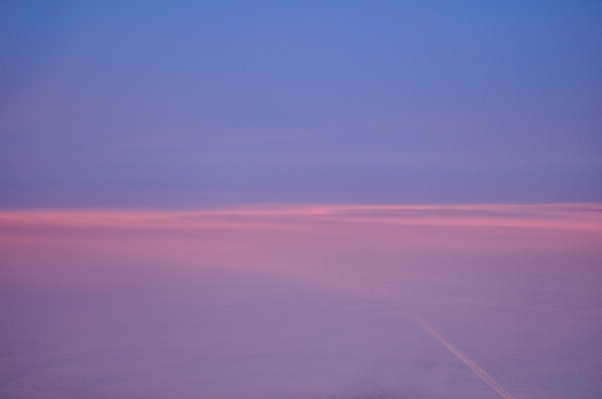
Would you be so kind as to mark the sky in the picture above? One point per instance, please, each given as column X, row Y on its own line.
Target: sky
column 300, row 200
column 186, row 104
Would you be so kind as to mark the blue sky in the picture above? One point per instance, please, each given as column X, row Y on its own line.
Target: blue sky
column 116, row 104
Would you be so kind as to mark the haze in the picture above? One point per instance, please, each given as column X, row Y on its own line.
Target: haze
column 287, row 200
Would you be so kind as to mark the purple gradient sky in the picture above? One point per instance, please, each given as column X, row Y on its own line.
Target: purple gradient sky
column 191, row 199
column 191, row 103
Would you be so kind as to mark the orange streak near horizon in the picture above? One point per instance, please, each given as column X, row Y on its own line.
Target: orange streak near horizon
column 315, row 242
column 550, row 216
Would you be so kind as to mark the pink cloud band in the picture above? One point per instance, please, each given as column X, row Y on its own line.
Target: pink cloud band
column 351, row 243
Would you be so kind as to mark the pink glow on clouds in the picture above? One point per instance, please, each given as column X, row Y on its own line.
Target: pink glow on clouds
column 351, row 247
column 308, row 287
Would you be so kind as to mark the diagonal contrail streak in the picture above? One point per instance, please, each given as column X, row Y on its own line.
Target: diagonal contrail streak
column 471, row 365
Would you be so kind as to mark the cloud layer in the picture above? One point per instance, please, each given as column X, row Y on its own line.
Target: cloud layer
column 283, row 301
